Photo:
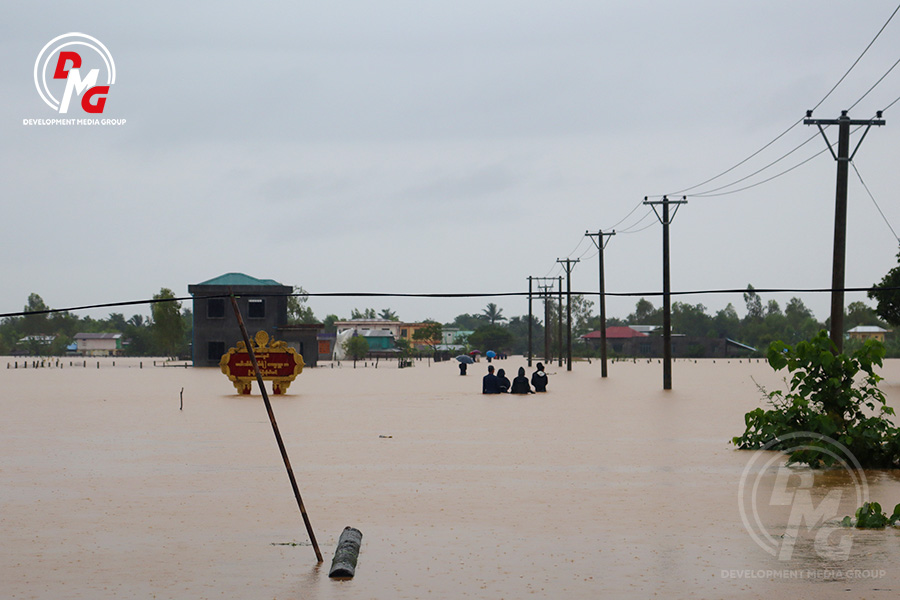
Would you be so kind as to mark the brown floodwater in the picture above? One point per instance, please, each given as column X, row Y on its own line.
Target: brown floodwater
column 599, row 488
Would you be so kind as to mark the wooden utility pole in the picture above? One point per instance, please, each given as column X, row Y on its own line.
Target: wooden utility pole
column 600, row 243
column 843, row 158
column 665, row 219
column 569, row 265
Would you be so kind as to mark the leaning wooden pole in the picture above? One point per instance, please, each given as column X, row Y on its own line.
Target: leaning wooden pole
column 284, row 456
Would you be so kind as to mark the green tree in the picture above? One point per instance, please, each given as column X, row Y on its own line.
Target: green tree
column 491, row 337
column 645, row 314
column 329, row 323
column 493, row 314
column 887, row 295
column 356, row 347
column 468, row 322
column 388, row 315
column 368, row 313
column 691, row 319
column 168, row 325
column 37, row 321
column 430, row 334
column 297, row 309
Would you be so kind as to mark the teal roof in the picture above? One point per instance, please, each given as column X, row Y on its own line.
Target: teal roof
column 238, row 279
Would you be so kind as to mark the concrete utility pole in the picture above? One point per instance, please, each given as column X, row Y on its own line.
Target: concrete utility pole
column 843, row 158
column 545, row 292
column 569, row 265
column 665, row 219
column 600, row 243
column 559, row 337
column 530, row 320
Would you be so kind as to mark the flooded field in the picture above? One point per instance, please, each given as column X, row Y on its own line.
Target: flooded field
column 599, row 488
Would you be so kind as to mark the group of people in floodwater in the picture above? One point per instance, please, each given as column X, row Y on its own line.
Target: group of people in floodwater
column 500, row 383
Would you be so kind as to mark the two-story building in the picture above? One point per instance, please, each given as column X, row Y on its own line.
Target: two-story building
column 263, row 307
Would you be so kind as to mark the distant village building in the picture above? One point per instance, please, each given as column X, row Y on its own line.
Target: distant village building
column 98, row 344
column 868, row 332
column 635, row 341
column 263, row 307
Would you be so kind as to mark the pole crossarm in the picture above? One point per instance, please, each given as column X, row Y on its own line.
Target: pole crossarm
column 844, row 120
column 665, row 219
column 602, row 238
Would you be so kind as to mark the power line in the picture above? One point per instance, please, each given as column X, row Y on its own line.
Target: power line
column 444, row 295
column 792, row 126
column 853, row 164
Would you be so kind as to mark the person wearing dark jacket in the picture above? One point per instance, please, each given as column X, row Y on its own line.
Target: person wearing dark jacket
column 489, row 384
column 502, row 381
column 539, row 379
column 520, row 384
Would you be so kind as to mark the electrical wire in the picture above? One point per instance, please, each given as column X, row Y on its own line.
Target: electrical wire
column 791, row 127
column 874, row 85
column 444, row 295
column 853, row 164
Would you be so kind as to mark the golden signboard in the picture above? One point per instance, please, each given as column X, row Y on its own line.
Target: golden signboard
column 277, row 363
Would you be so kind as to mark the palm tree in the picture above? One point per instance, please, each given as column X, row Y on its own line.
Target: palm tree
column 493, row 314
column 388, row 315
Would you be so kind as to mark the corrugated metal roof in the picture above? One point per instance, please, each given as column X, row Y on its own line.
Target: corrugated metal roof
column 238, row 279
column 868, row 329
column 618, row 333
column 97, row 336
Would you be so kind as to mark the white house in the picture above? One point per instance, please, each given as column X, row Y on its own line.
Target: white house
column 99, row 344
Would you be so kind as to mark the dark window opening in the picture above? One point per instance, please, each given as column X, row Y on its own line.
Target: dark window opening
column 256, row 309
column 215, row 308
column 215, row 350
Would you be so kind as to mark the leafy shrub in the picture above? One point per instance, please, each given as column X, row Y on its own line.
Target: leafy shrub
column 870, row 516
column 828, row 397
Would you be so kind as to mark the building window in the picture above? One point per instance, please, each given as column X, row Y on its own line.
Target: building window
column 645, row 347
column 215, row 308
column 215, row 350
column 404, row 333
column 257, row 308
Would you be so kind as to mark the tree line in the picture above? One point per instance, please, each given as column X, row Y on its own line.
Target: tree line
column 167, row 332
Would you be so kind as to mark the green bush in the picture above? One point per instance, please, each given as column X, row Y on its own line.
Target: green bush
column 827, row 397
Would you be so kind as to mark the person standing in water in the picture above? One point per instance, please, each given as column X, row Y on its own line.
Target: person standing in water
column 539, row 379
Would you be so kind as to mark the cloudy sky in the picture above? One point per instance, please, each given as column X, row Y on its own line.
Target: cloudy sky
column 445, row 147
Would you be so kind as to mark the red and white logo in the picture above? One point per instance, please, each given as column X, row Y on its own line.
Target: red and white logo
column 73, row 66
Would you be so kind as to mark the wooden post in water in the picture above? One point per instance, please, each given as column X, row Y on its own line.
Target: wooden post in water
column 284, row 456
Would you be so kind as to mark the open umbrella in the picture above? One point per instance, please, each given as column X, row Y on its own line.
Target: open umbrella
column 490, row 354
column 475, row 352
column 464, row 358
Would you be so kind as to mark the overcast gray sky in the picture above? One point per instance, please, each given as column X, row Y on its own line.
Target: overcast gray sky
column 430, row 147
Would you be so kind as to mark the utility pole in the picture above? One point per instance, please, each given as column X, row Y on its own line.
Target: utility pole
column 600, row 243
column 546, row 296
column 559, row 337
column 665, row 219
column 545, row 292
column 529, row 321
column 843, row 158
column 569, row 265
